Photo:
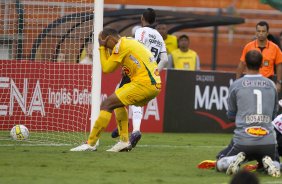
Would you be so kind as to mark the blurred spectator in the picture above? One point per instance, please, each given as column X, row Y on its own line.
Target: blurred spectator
column 170, row 40
column 88, row 58
column 244, row 177
column 61, row 57
column 184, row 57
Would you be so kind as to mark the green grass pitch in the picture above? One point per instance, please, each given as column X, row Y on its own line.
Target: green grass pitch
column 164, row 158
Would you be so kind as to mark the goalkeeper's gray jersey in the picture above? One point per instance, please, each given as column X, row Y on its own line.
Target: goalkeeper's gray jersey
column 253, row 99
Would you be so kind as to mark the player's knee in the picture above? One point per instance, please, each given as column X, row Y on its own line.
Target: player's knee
column 109, row 105
column 106, row 106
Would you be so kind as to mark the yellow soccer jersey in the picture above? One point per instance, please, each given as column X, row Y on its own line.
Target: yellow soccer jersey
column 136, row 60
column 171, row 43
column 184, row 60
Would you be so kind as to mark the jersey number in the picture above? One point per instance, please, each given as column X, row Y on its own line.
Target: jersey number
column 155, row 51
column 259, row 100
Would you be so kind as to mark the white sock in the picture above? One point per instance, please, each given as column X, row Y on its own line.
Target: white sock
column 137, row 114
column 223, row 163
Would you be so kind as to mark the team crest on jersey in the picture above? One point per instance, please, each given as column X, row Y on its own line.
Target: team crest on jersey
column 256, row 131
column 126, row 70
column 156, row 72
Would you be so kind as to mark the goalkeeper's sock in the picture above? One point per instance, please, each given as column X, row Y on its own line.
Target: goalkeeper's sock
column 136, row 117
column 122, row 123
column 223, row 163
column 100, row 124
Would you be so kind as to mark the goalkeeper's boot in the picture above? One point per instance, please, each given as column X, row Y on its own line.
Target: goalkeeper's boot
column 234, row 166
column 115, row 133
column 134, row 138
column 270, row 167
column 120, row 146
column 207, row 164
column 84, row 147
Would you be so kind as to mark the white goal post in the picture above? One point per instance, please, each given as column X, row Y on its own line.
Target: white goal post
column 97, row 71
column 42, row 83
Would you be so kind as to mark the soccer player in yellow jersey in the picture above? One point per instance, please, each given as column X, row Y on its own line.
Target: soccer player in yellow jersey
column 152, row 39
column 139, row 65
column 185, row 58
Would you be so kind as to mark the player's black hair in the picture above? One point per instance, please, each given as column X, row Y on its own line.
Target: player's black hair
column 109, row 31
column 149, row 15
column 244, row 177
column 184, row 36
column 253, row 60
column 263, row 23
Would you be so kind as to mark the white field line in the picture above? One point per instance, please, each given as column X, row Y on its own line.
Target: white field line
column 32, row 145
column 140, row 145
column 177, row 146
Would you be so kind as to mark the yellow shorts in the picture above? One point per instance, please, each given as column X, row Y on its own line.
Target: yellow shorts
column 136, row 93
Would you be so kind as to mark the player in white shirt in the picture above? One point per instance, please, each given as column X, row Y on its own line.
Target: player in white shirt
column 152, row 39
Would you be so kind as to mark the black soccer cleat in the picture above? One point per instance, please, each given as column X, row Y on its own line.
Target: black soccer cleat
column 134, row 138
column 115, row 133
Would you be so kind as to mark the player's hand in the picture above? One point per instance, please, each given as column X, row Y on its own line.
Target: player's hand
column 102, row 42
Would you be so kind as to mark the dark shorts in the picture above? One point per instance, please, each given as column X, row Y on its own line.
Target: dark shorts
column 255, row 152
column 279, row 142
column 125, row 79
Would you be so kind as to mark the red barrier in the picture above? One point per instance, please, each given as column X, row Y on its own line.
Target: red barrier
column 56, row 97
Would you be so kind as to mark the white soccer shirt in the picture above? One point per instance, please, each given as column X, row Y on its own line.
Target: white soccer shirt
column 152, row 39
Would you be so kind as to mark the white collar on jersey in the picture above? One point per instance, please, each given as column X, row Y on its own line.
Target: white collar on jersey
column 255, row 75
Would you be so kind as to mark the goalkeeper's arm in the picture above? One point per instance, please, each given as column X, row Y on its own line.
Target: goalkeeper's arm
column 163, row 61
column 107, row 64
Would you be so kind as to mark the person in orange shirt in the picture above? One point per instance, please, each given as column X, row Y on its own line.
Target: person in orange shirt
column 272, row 56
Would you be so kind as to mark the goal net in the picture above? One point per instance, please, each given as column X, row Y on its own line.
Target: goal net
column 42, row 84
